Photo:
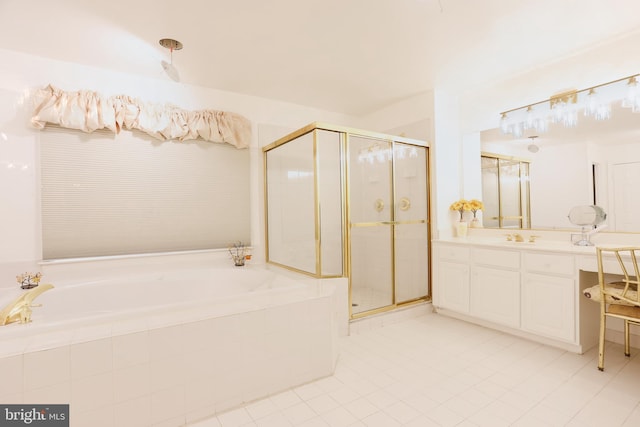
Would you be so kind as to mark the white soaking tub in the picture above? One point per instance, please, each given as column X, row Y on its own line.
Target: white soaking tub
column 167, row 347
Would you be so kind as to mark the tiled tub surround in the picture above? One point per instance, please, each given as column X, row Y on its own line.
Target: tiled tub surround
column 173, row 359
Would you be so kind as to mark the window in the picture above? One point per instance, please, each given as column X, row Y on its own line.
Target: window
column 112, row 195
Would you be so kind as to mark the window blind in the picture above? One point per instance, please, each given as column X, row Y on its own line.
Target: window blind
column 112, row 195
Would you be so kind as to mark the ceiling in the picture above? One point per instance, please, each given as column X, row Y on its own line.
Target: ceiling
column 347, row 56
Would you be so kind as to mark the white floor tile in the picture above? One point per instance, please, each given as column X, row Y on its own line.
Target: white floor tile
column 314, row 422
column 261, row 408
column 275, row 419
column 344, row 395
column 235, row 418
column 422, row 421
column 634, row 418
column 402, row 412
column 380, row 419
column 445, row 416
column 361, row 408
column 322, row 404
column 456, row 374
column 285, row 399
column 299, row 413
column 308, row 391
column 381, row 398
column 339, row 417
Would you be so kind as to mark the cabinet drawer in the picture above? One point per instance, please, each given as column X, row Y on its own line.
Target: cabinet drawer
column 549, row 263
column 497, row 258
column 454, row 253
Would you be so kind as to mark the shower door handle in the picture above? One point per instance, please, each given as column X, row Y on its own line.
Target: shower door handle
column 405, row 204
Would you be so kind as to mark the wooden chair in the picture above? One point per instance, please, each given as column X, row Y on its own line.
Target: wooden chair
column 618, row 296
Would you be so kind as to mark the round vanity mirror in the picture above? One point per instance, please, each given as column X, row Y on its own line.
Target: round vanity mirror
column 585, row 216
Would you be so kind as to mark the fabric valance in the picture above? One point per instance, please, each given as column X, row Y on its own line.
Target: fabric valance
column 89, row 111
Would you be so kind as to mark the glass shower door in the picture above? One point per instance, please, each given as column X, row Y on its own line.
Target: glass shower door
column 371, row 231
column 411, row 240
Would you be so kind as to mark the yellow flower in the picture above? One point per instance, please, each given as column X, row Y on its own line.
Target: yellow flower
column 460, row 206
column 476, row 205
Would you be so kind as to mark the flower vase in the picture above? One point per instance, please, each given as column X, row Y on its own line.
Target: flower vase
column 461, row 229
column 475, row 223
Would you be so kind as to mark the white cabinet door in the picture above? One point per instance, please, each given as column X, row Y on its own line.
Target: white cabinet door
column 452, row 289
column 495, row 295
column 548, row 306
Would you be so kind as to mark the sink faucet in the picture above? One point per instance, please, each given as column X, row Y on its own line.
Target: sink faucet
column 518, row 237
column 19, row 310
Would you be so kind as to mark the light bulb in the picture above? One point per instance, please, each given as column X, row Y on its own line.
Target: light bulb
column 531, row 119
column 517, row 130
column 504, row 125
column 591, row 107
column 603, row 112
column 631, row 99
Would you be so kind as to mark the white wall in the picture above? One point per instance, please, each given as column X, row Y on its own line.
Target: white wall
column 21, row 74
column 411, row 117
column 448, row 179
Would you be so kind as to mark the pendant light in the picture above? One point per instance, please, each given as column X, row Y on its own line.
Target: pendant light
column 168, row 67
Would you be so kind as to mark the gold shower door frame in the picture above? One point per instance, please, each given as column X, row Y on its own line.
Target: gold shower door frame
column 392, row 223
column 345, row 133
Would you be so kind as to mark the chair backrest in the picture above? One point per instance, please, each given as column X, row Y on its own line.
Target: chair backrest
column 626, row 289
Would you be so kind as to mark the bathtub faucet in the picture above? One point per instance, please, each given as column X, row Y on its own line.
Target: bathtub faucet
column 19, row 310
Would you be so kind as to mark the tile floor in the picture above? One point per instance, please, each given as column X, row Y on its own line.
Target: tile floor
column 432, row 370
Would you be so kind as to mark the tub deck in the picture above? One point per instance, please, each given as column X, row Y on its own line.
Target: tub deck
column 175, row 361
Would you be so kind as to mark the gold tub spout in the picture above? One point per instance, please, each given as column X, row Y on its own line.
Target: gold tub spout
column 19, row 310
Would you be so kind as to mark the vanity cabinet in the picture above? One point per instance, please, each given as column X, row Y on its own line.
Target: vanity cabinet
column 520, row 289
column 453, row 270
column 548, row 295
column 495, row 286
column 495, row 295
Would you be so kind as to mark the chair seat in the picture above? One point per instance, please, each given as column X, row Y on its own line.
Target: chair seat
column 613, row 294
column 624, row 310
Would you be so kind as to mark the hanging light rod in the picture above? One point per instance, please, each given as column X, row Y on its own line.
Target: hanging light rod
column 563, row 107
column 168, row 67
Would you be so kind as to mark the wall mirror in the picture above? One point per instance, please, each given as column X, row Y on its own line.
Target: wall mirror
column 596, row 162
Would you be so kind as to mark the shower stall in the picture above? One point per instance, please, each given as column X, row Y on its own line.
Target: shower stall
column 342, row 202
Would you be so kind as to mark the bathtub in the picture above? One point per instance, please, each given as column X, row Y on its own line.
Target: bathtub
column 126, row 342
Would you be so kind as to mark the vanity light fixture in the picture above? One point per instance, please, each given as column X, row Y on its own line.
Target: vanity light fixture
column 564, row 107
column 533, row 148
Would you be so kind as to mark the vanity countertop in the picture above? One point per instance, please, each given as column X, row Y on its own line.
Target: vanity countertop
column 542, row 245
